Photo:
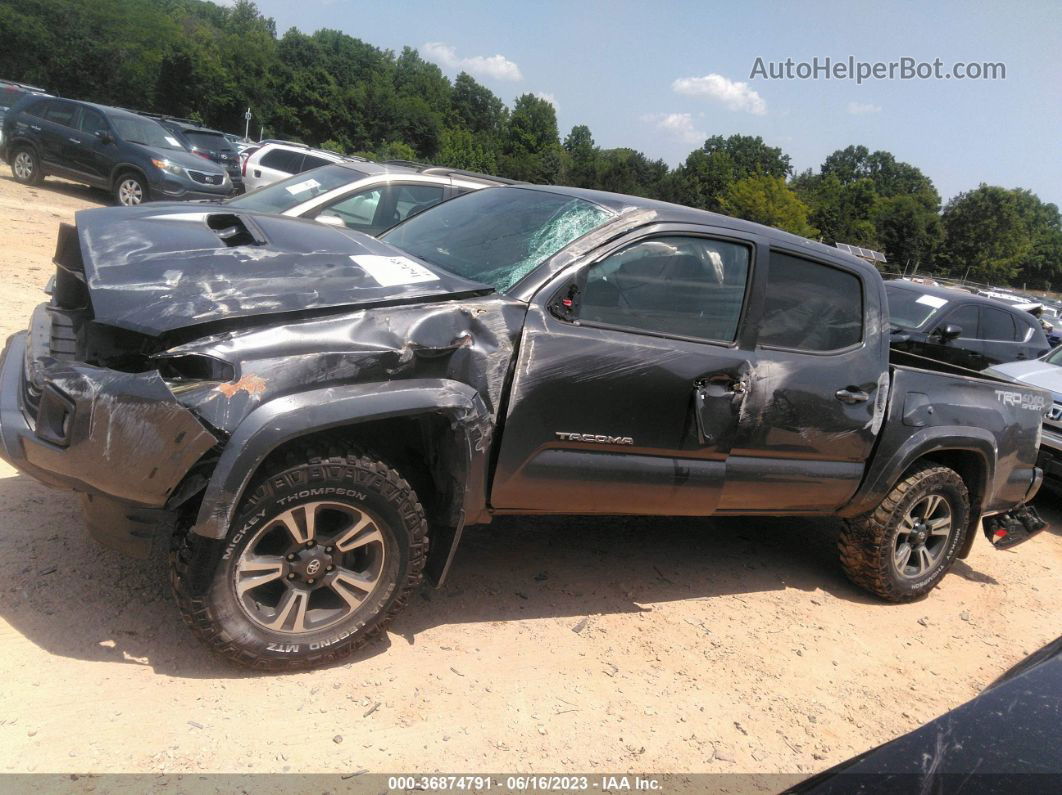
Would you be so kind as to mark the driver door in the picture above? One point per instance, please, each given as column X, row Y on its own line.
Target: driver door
column 630, row 382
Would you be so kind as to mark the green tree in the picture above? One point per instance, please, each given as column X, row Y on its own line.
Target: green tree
column 985, row 236
column 767, row 200
column 709, row 171
column 582, row 158
column 532, row 148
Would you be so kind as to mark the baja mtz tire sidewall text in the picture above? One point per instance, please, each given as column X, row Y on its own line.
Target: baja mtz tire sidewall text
column 299, row 617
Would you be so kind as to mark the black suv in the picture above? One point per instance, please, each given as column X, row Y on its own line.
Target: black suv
column 210, row 144
column 135, row 158
column 10, row 93
column 960, row 328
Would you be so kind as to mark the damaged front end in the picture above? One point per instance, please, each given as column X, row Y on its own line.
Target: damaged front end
column 169, row 363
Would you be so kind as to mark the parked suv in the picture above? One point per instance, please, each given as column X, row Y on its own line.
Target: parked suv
column 277, row 160
column 960, row 328
column 366, row 197
column 133, row 157
column 211, row 145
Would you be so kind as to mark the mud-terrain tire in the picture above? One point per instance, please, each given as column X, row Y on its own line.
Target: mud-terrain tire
column 26, row 166
column 131, row 189
column 338, row 541
column 903, row 548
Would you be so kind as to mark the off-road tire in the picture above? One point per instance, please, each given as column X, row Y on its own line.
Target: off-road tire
column 216, row 616
column 20, row 158
column 867, row 544
column 121, row 194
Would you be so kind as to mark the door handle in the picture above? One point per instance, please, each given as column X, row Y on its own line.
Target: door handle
column 851, row 395
column 74, row 140
column 35, row 128
column 1021, row 356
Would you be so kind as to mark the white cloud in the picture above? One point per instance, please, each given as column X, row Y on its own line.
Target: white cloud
column 496, row 67
column 733, row 94
column 678, row 125
column 859, row 108
column 552, row 100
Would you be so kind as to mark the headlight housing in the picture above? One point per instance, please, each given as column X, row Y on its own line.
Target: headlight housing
column 168, row 166
column 191, row 368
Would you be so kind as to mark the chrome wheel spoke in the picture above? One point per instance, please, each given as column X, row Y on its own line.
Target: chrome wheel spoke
column 903, row 555
column 939, row 527
column 925, row 562
column 363, row 532
column 299, row 522
column 291, row 612
column 353, row 587
column 259, row 570
column 932, row 502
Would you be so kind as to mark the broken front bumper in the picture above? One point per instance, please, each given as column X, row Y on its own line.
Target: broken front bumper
column 119, row 438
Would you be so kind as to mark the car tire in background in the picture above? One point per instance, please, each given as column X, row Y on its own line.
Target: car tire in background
column 131, row 189
column 322, row 554
column 903, row 548
column 26, row 166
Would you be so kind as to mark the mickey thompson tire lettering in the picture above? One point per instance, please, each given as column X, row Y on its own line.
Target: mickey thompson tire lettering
column 308, row 475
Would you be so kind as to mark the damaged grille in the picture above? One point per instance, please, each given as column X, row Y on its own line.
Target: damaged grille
column 206, row 179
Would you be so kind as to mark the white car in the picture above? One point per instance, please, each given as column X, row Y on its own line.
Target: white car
column 272, row 161
column 367, row 197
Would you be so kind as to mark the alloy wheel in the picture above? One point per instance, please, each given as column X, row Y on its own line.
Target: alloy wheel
column 923, row 536
column 23, row 166
column 130, row 193
column 310, row 567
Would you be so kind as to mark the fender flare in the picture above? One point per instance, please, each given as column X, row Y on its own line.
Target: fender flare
column 287, row 418
column 880, row 480
column 122, row 168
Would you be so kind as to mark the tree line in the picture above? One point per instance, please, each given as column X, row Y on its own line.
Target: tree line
column 196, row 59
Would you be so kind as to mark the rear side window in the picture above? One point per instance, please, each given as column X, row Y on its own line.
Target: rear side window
column 997, row 324
column 204, row 140
column 311, row 161
column 678, row 286
column 282, row 160
column 61, row 113
column 811, row 306
column 37, row 108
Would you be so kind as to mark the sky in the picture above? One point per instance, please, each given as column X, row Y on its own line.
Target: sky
column 661, row 76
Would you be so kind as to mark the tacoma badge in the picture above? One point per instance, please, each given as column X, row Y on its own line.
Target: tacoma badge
column 599, row 438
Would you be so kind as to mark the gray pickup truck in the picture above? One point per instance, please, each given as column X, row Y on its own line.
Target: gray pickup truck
column 296, row 409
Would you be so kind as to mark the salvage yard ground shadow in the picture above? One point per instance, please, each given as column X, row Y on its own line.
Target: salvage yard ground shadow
column 74, row 598
column 72, row 189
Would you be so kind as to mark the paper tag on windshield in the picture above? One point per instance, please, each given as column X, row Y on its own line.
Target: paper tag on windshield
column 932, row 300
column 172, row 141
column 391, row 271
column 303, row 186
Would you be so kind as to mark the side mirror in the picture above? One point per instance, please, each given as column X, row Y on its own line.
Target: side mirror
column 949, row 332
column 104, row 136
column 329, row 220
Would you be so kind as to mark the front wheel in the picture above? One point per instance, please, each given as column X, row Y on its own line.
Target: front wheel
column 319, row 559
column 902, row 549
column 26, row 167
column 130, row 189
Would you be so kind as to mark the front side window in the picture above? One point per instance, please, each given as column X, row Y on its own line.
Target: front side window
column 497, row 235
column 965, row 318
column 382, row 207
column 679, row 286
column 811, row 306
column 312, row 161
column 92, row 122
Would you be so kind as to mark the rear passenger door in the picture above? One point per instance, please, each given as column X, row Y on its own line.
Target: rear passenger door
column 272, row 166
column 57, row 128
column 812, row 396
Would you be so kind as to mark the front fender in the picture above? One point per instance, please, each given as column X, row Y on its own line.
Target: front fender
column 294, row 416
column 884, row 474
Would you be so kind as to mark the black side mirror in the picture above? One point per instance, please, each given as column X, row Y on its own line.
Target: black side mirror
column 104, row 136
column 949, row 332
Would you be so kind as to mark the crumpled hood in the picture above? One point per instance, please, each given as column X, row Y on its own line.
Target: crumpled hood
column 161, row 267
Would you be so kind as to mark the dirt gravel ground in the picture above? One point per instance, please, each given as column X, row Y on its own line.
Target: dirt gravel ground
column 591, row 645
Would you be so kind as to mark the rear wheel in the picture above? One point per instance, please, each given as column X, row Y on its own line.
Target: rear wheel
column 901, row 550
column 130, row 189
column 320, row 558
column 25, row 166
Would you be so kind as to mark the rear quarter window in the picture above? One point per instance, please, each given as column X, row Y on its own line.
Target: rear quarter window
column 811, row 306
column 282, row 160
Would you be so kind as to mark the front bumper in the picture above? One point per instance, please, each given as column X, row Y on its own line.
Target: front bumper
column 120, row 438
column 172, row 189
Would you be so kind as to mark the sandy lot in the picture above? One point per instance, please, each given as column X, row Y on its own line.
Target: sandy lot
column 558, row 644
